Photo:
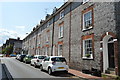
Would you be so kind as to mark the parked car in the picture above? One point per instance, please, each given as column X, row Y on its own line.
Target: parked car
column 37, row 59
column 1, row 55
column 54, row 63
column 12, row 55
column 18, row 56
column 22, row 57
column 28, row 58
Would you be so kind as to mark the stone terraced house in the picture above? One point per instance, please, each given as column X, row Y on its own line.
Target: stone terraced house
column 87, row 34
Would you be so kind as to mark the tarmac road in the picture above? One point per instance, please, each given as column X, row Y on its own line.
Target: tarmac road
column 20, row 70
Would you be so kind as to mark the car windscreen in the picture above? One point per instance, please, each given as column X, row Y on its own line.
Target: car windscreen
column 23, row 55
column 41, row 57
column 30, row 56
column 58, row 59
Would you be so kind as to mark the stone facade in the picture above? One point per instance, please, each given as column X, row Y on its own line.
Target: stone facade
column 45, row 39
column 17, row 48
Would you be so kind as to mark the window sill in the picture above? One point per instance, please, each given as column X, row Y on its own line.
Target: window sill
column 60, row 37
column 84, row 2
column 87, row 29
column 61, row 18
column 47, row 41
column 86, row 58
column 48, row 26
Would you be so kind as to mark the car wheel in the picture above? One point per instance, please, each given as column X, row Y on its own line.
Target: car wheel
column 49, row 71
column 30, row 64
column 66, row 71
column 41, row 67
column 26, row 62
column 35, row 65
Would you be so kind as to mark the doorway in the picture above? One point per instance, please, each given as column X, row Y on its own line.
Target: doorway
column 111, row 55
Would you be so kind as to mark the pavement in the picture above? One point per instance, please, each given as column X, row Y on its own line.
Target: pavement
column 0, row 70
column 82, row 75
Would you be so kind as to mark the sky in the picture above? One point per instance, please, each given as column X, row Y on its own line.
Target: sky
column 18, row 18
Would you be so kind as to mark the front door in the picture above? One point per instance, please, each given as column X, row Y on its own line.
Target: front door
column 111, row 55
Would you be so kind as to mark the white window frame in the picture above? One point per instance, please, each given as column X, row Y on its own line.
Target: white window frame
column 47, row 51
column 47, row 39
column 84, row 54
column 48, row 24
column 62, row 14
column 59, row 51
column 89, row 27
column 39, row 39
column 84, row 1
column 61, row 31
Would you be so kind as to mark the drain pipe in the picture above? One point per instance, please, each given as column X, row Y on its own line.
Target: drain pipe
column 52, row 36
column 70, row 35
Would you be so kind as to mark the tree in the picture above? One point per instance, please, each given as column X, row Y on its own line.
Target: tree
column 3, row 51
column 8, row 50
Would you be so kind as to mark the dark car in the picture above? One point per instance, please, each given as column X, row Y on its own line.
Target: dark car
column 22, row 56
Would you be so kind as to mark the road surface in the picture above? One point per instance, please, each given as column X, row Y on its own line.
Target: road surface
column 19, row 70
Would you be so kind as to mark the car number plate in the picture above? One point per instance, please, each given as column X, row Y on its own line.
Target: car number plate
column 60, row 67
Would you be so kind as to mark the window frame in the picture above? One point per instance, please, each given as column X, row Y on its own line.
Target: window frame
column 62, row 14
column 85, row 38
column 47, row 50
column 85, row 1
column 47, row 38
column 87, row 10
column 61, row 31
column 59, row 51
column 48, row 23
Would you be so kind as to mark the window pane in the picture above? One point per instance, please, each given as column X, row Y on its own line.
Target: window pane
column 60, row 31
column 88, row 46
column 88, row 19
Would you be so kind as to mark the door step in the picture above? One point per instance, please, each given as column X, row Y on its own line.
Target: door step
column 110, row 71
column 111, row 76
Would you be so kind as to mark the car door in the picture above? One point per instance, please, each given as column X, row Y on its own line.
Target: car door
column 45, row 62
column 33, row 60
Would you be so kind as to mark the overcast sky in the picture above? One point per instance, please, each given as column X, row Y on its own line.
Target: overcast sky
column 18, row 18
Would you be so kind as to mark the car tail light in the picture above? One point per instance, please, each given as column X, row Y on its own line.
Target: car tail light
column 53, row 62
column 37, row 60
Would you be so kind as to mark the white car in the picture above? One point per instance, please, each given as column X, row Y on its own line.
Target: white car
column 37, row 59
column 54, row 63
column 18, row 56
column 1, row 55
